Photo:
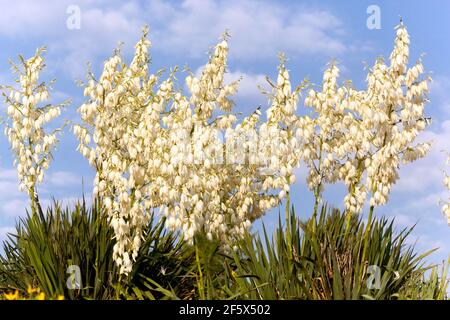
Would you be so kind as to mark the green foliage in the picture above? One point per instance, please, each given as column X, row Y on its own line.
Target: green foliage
column 213, row 270
column 324, row 260
column 429, row 284
column 45, row 245
column 207, row 273
column 162, row 264
column 321, row 258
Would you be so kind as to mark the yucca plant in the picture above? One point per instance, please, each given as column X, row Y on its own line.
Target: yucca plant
column 266, row 268
column 203, row 272
column 322, row 260
column 429, row 284
column 45, row 245
column 161, row 268
column 345, row 269
column 213, row 271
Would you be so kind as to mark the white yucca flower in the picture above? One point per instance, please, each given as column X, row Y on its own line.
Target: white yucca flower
column 362, row 137
column 190, row 158
column 28, row 113
column 155, row 148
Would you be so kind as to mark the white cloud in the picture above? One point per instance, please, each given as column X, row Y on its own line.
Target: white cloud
column 404, row 220
column 14, row 203
column 15, row 207
column 103, row 25
column 429, row 242
column 419, row 176
column 188, row 28
column 428, row 200
column 248, row 86
column 440, row 93
column 101, row 31
column 8, row 185
column 427, row 174
column 63, row 179
column 8, row 174
column 68, row 201
column 259, row 30
column 31, row 17
column 420, row 190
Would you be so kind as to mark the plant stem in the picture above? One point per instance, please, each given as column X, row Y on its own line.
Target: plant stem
column 288, row 209
column 119, row 286
column 316, row 206
column 35, row 205
column 348, row 217
column 288, row 225
column 33, row 208
column 352, row 192
column 200, row 284
column 366, row 236
column 316, row 201
column 317, row 191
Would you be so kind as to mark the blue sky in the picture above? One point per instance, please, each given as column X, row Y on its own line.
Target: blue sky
column 310, row 33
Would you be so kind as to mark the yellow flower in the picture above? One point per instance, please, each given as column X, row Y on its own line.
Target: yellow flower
column 12, row 296
column 60, row 297
column 32, row 290
column 40, row 296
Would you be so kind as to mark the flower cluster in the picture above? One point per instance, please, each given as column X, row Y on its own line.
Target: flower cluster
column 31, row 144
column 120, row 103
column 157, row 148
column 216, row 196
column 362, row 137
column 154, row 148
column 330, row 139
